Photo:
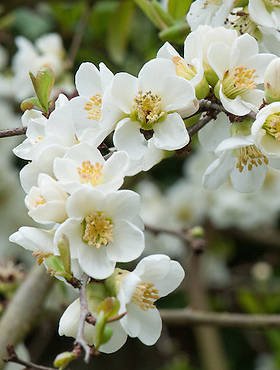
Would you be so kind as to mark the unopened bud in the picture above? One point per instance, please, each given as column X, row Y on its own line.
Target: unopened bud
column 197, row 232
column 272, row 81
column 63, row 359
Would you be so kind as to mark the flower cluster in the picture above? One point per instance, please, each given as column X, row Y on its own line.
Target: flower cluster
column 80, row 151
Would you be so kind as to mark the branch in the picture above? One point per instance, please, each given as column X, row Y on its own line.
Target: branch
column 13, row 357
column 192, row 130
column 79, row 33
column 13, row 132
column 23, row 310
column 197, row 244
column 92, row 320
column 223, row 319
column 84, row 312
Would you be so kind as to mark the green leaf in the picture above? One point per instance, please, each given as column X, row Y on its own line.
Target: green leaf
column 148, row 8
column 162, row 14
column 43, row 83
column 119, row 30
column 176, row 33
column 179, row 8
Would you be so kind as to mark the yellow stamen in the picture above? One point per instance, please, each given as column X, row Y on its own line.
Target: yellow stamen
column 272, row 125
column 250, row 156
column 147, row 109
column 93, row 107
column 238, row 81
column 98, row 230
column 40, row 256
column 145, row 295
column 40, row 200
column 91, row 173
column 183, row 69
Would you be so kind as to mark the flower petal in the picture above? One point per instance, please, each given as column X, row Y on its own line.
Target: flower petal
column 171, row 133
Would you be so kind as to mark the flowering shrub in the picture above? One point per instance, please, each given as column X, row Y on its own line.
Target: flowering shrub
column 81, row 149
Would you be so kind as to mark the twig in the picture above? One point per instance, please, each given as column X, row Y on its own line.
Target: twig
column 13, row 357
column 13, row 132
column 79, row 33
column 92, row 320
column 223, row 319
column 208, row 105
column 197, row 244
column 192, row 130
column 84, row 312
column 23, row 310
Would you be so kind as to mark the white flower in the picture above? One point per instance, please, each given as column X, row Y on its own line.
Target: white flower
column 238, row 156
column 47, row 51
column 190, row 69
column 240, row 160
column 266, row 129
column 46, row 203
column 46, row 140
column 152, row 105
column 154, row 277
column 198, row 43
column 265, row 12
column 83, row 165
column 102, row 230
column 69, row 322
column 94, row 114
column 240, row 69
column 208, row 12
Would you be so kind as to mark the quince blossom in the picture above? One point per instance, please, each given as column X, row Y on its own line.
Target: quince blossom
column 153, row 105
column 84, row 166
column 240, row 69
column 94, row 114
column 102, row 230
column 154, row 277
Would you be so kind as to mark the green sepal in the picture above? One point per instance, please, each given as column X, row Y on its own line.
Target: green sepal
column 110, row 306
column 56, row 268
column 202, row 89
column 64, row 250
column 103, row 333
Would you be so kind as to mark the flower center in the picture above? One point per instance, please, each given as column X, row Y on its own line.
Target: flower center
column 183, row 69
column 97, row 230
column 93, row 107
column 238, row 81
column 249, row 157
column 145, row 295
column 40, row 200
column 239, row 19
column 147, row 109
column 91, row 173
column 272, row 125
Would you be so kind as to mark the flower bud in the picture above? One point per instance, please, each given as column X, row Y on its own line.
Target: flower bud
column 272, row 81
column 63, row 359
